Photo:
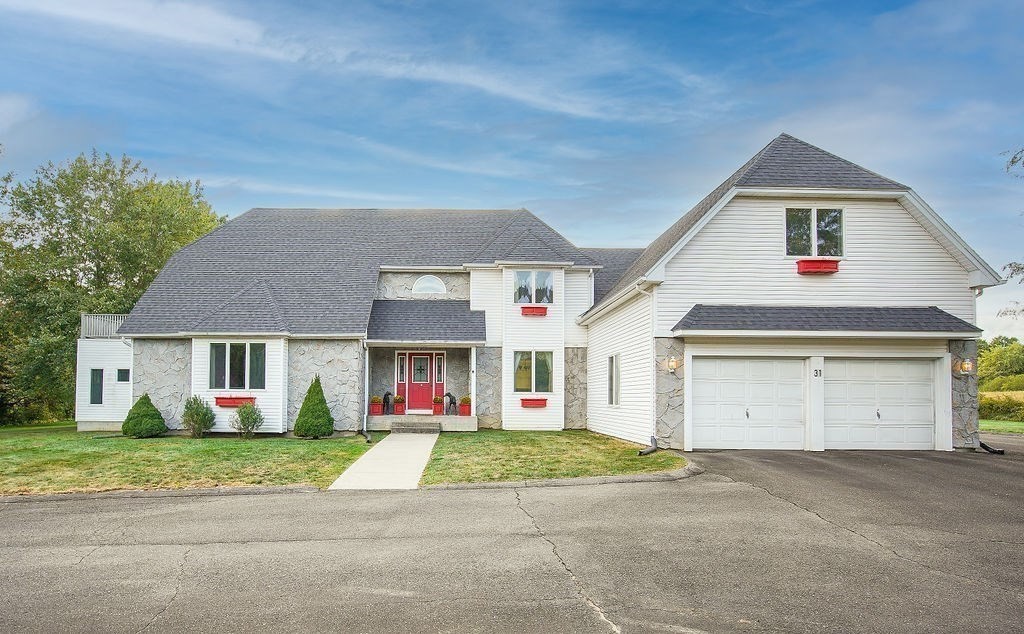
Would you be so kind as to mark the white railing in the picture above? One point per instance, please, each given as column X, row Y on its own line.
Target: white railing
column 101, row 326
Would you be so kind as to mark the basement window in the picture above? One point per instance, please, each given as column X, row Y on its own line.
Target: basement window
column 814, row 232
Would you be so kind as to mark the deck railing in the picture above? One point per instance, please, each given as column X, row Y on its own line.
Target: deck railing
column 101, row 326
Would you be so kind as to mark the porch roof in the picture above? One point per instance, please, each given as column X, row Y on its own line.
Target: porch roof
column 425, row 320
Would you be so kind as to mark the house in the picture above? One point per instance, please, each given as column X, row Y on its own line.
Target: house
column 805, row 303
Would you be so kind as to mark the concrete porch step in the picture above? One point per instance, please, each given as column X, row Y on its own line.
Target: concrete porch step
column 415, row 427
column 425, row 422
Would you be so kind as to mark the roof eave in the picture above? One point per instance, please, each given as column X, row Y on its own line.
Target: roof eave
column 834, row 334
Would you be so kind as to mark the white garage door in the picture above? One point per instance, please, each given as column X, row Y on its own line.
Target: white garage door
column 879, row 404
column 748, row 403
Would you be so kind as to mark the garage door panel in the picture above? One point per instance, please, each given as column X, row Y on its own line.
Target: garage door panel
column 758, row 403
column 879, row 404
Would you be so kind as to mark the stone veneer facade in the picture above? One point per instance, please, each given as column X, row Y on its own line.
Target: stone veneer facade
column 965, row 396
column 669, row 392
column 488, row 387
column 163, row 369
column 399, row 286
column 575, row 388
column 339, row 362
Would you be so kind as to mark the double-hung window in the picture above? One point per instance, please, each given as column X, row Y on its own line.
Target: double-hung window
column 814, row 232
column 238, row 366
column 533, row 371
column 613, row 379
column 534, row 287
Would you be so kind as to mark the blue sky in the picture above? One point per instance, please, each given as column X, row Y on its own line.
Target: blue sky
column 606, row 119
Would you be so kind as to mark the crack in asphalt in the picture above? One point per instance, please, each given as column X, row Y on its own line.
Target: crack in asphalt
column 86, row 555
column 177, row 589
column 880, row 545
column 572, row 575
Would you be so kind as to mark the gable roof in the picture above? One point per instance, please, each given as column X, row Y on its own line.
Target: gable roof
column 823, row 318
column 786, row 162
column 314, row 271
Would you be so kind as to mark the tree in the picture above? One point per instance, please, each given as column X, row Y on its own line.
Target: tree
column 314, row 419
column 85, row 236
column 1015, row 270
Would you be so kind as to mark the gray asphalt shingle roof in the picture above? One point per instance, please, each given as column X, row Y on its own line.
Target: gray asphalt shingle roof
column 785, row 162
column 823, row 318
column 614, row 263
column 425, row 320
column 314, row 271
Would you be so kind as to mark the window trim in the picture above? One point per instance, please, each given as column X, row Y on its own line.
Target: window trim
column 533, row 288
column 127, row 380
column 533, row 371
column 429, row 278
column 814, row 232
column 614, row 376
column 227, row 365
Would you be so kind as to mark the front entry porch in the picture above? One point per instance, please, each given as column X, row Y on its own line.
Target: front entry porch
column 417, row 374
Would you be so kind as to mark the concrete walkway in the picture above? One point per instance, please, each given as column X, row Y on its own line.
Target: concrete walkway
column 396, row 462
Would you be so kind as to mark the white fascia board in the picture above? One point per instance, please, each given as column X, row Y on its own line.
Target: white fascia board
column 383, row 343
column 985, row 275
column 185, row 335
column 416, row 269
column 618, row 299
column 657, row 272
column 825, row 334
column 510, row 263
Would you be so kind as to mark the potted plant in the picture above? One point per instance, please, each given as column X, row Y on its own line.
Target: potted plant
column 438, row 405
column 464, row 406
column 376, row 406
column 399, row 405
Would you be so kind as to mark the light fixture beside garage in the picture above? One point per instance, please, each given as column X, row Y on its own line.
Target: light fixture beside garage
column 965, row 366
column 673, row 364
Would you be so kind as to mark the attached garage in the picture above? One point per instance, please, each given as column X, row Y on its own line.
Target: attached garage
column 748, row 403
column 879, row 404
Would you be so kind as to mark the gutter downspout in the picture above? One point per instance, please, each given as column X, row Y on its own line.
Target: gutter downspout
column 646, row 451
column 366, row 391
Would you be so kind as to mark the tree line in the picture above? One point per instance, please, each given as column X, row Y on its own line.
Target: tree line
column 84, row 236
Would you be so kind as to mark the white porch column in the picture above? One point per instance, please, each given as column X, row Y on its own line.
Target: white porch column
column 472, row 381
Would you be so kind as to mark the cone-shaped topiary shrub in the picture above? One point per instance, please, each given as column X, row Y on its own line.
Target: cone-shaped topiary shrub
column 314, row 420
column 143, row 420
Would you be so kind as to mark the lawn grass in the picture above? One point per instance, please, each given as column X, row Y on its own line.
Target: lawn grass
column 57, row 459
column 1002, row 426
column 495, row 456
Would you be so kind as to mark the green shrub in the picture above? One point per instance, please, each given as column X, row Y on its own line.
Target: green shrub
column 246, row 420
column 198, row 417
column 1001, row 408
column 1012, row 383
column 143, row 420
column 314, row 420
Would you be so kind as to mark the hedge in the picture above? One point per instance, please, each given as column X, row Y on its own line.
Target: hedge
column 1012, row 383
column 1001, row 407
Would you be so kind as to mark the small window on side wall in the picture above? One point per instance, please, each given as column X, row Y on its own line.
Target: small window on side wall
column 814, row 232
column 96, row 387
column 123, row 375
column 613, row 379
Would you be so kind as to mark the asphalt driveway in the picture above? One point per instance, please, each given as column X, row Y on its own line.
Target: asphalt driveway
column 841, row 541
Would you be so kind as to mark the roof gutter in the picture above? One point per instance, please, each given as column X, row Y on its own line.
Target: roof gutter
column 617, row 300
column 825, row 334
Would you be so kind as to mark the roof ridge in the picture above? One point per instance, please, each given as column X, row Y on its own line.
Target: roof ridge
column 501, row 230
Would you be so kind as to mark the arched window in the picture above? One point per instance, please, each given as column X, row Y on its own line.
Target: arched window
column 429, row 285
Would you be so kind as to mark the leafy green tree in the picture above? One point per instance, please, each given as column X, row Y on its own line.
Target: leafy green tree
column 998, row 361
column 85, row 236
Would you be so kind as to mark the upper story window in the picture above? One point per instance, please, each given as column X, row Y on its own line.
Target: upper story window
column 238, row 366
column 534, row 287
column 429, row 285
column 814, row 232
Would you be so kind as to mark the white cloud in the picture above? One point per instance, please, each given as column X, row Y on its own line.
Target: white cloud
column 312, row 191
column 14, row 109
column 181, row 22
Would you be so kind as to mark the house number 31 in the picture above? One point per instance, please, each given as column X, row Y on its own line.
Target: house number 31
column 817, row 373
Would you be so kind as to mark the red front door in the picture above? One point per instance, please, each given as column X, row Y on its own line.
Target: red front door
column 421, row 383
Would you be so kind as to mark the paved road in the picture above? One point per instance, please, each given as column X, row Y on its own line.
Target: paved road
column 840, row 542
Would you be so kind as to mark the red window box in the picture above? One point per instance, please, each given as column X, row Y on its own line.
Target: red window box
column 376, row 409
column 464, row 409
column 399, row 409
column 535, row 311
column 438, row 409
column 817, row 267
column 234, row 401
column 534, row 402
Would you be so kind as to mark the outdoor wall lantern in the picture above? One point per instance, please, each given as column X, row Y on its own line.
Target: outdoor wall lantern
column 673, row 364
column 965, row 366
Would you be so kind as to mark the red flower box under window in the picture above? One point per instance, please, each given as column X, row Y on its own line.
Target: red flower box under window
column 234, row 401
column 817, row 267
column 535, row 311
column 534, row 402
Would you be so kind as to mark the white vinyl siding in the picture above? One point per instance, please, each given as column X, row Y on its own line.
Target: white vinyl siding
column 528, row 333
column 109, row 355
column 270, row 400
column 739, row 258
column 624, row 332
column 578, row 299
column 486, row 294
